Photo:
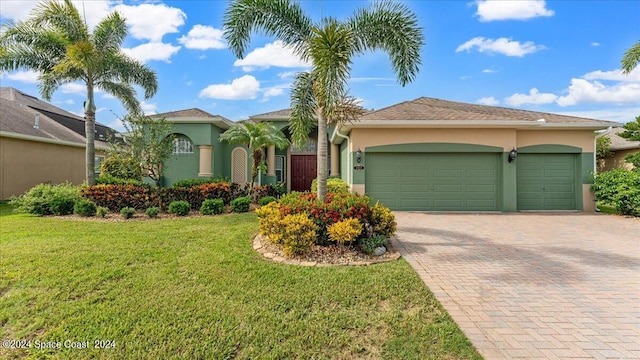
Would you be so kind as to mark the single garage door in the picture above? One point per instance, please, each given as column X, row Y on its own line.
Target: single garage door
column 434, row 181
column 546, row 181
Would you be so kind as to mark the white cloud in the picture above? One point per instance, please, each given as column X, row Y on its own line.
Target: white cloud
column 152, row 51
column 534, row 97
column 501, row 46
column 74, row 88
column 28, row 76
column 148, row 109
column 488, row 71
column 203, row 37
column 108, row 96
column 613, row 75
column 94, row 11
column 69, row 102
column 151, row 21
column 270, row 92
column 595, row 43
column 584, row 91
column 488, row 101
column 465, row 77
column 489, row 10
column 272, row 54
column 245, row 87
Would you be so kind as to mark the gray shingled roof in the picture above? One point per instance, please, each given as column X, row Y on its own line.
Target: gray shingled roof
column 620, row 143
column 283, row 113
column 187, row 113
column 425, row 108
column 18, row 116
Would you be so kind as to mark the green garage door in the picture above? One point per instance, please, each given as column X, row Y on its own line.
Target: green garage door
column 546, row 181
column 434, row 181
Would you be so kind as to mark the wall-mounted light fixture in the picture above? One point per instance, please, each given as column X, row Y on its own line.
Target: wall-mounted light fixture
column 513, row 154
column 359, row 156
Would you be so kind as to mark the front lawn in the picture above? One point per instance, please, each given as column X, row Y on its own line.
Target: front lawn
column 194, row 288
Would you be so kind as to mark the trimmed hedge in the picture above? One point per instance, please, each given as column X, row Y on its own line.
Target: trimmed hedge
column 620, row 188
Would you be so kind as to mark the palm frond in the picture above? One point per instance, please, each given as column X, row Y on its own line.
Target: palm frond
column 110, row 33
column 631, row 58
column 123, row 92
column 393, row 28
column 348, row 109
column 61, row 16
column 303, row 107
column 278, row 18
column 121, row 68
column 24, row 46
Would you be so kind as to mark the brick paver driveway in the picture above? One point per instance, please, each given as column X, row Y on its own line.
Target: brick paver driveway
column 534, row 286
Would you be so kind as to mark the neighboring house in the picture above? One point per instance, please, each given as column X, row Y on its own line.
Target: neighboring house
column 40, row 143
column 620, row 147
column 425, row 154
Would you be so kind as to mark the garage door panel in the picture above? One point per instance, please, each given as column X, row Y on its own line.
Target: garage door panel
column 546, row 181
column 437, row 182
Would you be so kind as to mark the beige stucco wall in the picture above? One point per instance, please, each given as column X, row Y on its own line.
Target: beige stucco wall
column 505, row 138
column 583, row 139
column 24, row 164
column 617, row 160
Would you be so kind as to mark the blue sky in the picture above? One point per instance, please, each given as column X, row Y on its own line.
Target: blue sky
column 554, row 56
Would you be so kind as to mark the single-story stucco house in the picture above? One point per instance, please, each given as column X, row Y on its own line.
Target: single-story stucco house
column 41, row 143
column 620, row 147
column 426, row 154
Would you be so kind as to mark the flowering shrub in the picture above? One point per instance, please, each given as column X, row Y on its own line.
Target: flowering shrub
column 298, row 234
column 383, row 221
column 337, row 207
column 346, row 230
column 270, row 222
column 116, row 197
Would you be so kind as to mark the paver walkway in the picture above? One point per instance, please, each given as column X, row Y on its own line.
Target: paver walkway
column 533, row 286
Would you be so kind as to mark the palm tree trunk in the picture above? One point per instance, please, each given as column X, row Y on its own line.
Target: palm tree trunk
column 257, row 159
column 90, row 131
column 322, row 154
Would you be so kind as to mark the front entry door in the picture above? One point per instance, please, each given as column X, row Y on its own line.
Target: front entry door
column 303, row 171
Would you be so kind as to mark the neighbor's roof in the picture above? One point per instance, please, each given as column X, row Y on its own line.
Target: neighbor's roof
column 430, row 109
column 195, row 115
column 282, row 114
column 18, row 113
column 620, row 143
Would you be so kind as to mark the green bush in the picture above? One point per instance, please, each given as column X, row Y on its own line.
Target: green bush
column 121, row 166
column 298, row 234
column 152, row 212
column 187, row 183
column 383, row 221
column 346, row 230
column 180, row 208
column 241, row 204
column 212, row 207
column 266, row 200
column 334, row 186
column 127, row 212
column 47, row 199
column 102, row 211
column 368, row 245
column 84, row 207
column 620, row 188
column 112, row 180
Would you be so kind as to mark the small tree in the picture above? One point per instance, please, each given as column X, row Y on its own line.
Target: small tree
column 256, row 137
column 632, row 130
column 150, row 142
column 603, row 149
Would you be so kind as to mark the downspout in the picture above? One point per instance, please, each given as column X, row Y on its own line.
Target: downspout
column 337, row 132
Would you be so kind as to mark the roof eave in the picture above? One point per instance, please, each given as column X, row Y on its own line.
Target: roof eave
column 221, row 122
column 520, row 124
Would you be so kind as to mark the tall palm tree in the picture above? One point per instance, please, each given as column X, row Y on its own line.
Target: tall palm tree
column 56, row 42
column 321, row 95
column 256, row 137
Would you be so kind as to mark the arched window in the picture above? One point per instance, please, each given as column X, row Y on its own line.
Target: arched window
column 310, row 147
column 182, row 145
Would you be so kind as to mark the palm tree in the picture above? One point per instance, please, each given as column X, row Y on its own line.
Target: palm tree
column 320, row 95
column 631, row 58
column 56, row 42
column 256, row 137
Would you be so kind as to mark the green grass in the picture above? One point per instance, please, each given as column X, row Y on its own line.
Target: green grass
column 195, row 288
column 606, row 208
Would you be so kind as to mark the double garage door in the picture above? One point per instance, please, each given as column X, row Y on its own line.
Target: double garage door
column 469, row 181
